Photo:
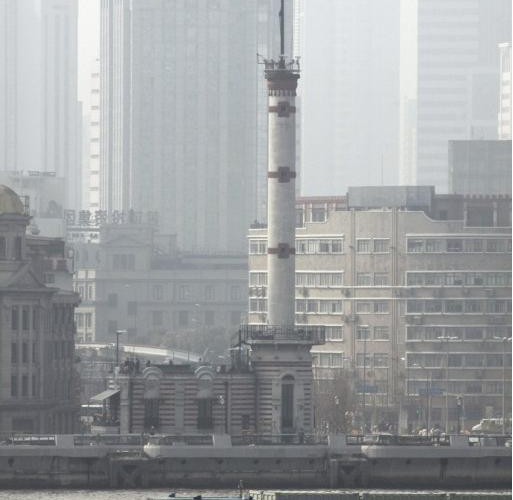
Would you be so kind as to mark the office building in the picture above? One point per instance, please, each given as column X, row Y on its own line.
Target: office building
column 37, row 379
column 480, row 167
column 182, row 115
column 39, row 112
column 457, row 78
column 504, row 130
column 387, row 271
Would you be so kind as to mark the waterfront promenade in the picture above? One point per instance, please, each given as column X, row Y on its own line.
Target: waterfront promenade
column 220, row 461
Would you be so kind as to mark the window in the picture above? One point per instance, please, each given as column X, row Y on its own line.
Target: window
column 334, row 333
column 235, row 292
column 257, row 247
column 381, row 279
column 433, row 246
column 17, row 247
column 260, row 305
column 433, row 306
column 364, row 279
column 24, row 352
column 157, row 292
column 381, row 333
column 474, row 360
column 34, row 352
column 183, row 292
column 287, row 403
column 300, row 217
column 205, row 414
column 14, row 352
column 88, row 320
column 24, row 386
column 35, row 319
column 415, row 246
column 3, row 248
column 318, row 213
column 15, row 317
column 363, row 332
column 381, row 307
column 14, row 386
column 260, row 279
column 453, row 306
column 363, row 246
column 363, row 307
column 473, row 306
column 473, row 333
column 454, row 245
column 151, row 414
column 381, row 245
column 210, row 292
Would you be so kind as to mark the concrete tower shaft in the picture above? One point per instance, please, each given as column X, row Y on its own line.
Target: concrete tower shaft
column 281, row 212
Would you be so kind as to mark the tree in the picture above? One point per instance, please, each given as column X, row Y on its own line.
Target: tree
column 334, row 403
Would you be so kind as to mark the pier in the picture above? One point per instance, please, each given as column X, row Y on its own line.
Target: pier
column 220, row 461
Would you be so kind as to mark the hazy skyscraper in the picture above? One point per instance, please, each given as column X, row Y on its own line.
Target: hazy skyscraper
column 349, row 93
column 39, row 111
column 183, row 110
column 504, row 125
column 458, row 78
column 114, row 87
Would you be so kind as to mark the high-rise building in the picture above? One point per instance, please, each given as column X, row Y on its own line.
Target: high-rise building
column 504, row 130
column 349, row 93
column 458, row 74
column 39, row 111
column 93, row 146
column 185, row 134
column 480, row 167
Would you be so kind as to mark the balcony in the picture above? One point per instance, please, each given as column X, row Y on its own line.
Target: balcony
column 314, row 335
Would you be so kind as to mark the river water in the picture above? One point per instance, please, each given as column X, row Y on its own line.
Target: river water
column 136, row 494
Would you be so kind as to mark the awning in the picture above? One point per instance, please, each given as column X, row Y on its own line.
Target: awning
column 104, row 395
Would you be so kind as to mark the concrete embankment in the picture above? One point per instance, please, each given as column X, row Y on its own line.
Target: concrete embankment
column 221, row 465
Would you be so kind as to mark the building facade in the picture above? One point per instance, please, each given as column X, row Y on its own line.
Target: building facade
column 504, row 126
column 203, row 126
column 457, row 78
column 37, row 379
column 135, row 280
column 480, row 167
column 389, row 273
column 39, row 111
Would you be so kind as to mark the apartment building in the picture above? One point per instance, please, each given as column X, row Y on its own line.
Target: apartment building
column 414, row 291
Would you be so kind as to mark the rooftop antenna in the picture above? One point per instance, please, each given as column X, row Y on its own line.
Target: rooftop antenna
column 282, row 36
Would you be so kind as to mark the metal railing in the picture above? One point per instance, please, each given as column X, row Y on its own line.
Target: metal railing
column 278, row 439
column 310, row 334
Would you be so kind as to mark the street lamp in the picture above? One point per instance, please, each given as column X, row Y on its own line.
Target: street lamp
column 447, row 339
column 504, row 341
column 118, row 333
